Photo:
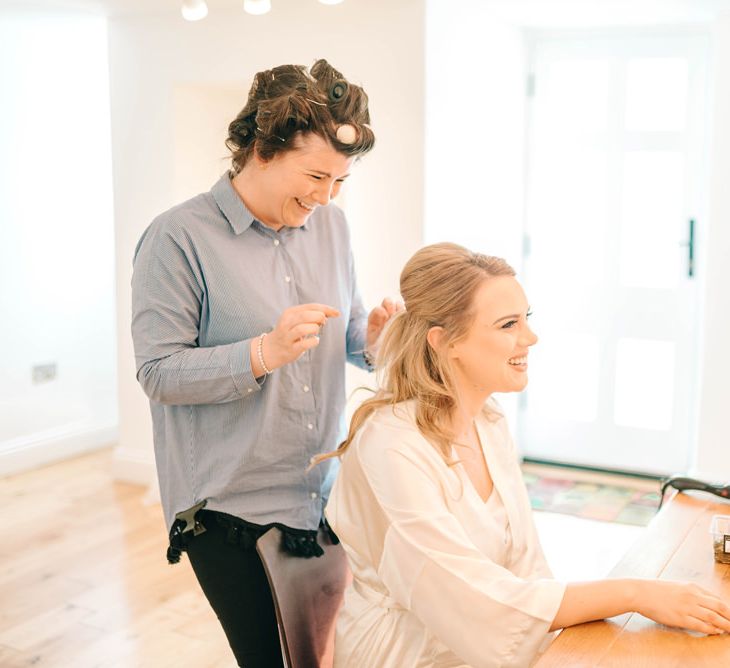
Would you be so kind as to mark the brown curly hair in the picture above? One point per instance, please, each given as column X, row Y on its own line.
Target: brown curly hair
column 292, row 99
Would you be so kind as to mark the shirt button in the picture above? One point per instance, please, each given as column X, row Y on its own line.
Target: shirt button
column 306, row 388
column 287, row 278
column 276, row 242
column 250, row 390
column 310, row 426
column 314, row 495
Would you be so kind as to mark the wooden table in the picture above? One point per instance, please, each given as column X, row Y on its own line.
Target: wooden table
column 677, row 546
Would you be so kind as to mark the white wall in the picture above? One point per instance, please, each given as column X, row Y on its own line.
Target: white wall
column 475, row 129
column 56, row 250
column 475, row 133
column 713, row 443
column 155, row 61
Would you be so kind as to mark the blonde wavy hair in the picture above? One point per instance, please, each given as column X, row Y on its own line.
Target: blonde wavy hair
column 438, row 285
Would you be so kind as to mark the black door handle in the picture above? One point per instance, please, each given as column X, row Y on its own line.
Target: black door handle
column 691, row 249
column 690, row 243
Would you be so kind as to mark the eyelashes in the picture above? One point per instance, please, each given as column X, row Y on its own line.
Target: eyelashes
column 511, row 323
column 316, row 177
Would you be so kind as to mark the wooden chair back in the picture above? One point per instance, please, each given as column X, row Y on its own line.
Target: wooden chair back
column 307, row 595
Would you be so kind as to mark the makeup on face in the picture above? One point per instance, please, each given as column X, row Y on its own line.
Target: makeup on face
column 295, row 183
column 493, row 357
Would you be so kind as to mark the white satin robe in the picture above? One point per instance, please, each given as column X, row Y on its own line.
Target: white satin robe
column 435, row 583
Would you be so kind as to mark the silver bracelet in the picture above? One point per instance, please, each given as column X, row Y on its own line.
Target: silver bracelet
column 260, row 350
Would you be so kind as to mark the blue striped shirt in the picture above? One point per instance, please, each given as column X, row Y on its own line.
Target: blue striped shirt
column 207, row 279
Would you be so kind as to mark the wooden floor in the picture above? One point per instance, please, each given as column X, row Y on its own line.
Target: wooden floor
column 84, row 581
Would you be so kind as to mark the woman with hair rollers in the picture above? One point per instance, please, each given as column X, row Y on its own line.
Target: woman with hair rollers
column 430, row 505
column 245, row 310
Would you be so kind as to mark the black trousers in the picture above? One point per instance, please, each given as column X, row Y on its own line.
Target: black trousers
column 234, row 582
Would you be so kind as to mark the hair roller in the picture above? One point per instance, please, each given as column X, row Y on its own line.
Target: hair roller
column 337, row 90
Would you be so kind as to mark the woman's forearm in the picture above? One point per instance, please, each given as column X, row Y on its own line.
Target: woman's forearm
column 209, row 375
column 588, row 601
column 679, row 604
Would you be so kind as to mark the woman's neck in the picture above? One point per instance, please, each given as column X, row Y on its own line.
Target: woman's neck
column 462, row 424
column 470, row 398
column 245, row 185
column 468, row 406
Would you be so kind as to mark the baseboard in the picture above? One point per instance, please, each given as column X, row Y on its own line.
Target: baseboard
column 592, row 469
column 53, row 445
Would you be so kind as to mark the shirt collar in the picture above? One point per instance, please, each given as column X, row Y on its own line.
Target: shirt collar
column 231, row 205
column 233, row 208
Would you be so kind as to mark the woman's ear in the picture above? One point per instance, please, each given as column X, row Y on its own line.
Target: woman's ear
column 435, row 337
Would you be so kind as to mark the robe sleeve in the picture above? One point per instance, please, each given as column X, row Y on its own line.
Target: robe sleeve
column 481, row 611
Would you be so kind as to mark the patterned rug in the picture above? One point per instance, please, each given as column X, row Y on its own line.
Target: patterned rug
column 608, row 503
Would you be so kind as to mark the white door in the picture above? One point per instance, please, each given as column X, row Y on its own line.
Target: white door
column 615, row 175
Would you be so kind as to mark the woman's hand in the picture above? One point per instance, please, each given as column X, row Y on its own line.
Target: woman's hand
column 377, row 319
column 296, row 332
column 686, row 606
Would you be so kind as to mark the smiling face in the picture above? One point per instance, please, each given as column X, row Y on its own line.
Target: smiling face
column 493, row 355
column 284, row 191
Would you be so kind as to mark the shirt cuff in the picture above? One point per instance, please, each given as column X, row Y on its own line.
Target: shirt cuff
column 241, row 371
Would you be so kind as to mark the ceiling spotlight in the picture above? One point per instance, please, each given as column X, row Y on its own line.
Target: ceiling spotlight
column 330, row 2
column 257, row 6
column 194, row 10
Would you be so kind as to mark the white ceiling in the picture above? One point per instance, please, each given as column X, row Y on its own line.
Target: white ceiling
column 118, row 7
column 524, row 13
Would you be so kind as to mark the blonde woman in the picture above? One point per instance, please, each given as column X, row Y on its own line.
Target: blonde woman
column 430, row 505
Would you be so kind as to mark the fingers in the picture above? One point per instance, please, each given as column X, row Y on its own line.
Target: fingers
column 378, row 317
column 307, row 313
column 718, row 621
column 381, row 314
column 705, row 612
column 328, row 311
column 723, row 608
column 389, row 306
column 302, row 331
column 697, row 624
column 297, row 330
column 302, row 337
column 686, row 606
column 316, row 317
column 392, row 306
column 302, row 345
column 717, row 612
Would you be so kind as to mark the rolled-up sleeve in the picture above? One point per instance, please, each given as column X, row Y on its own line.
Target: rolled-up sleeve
column 167, row 298
column 484, row 613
